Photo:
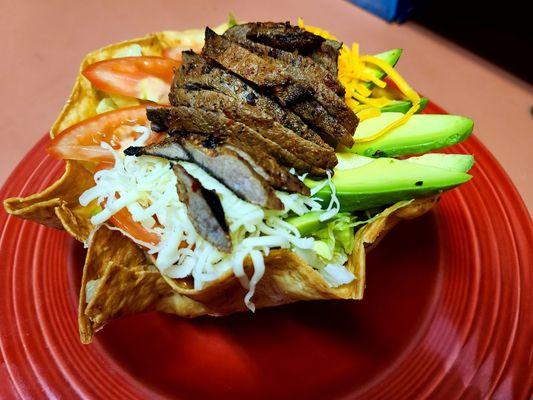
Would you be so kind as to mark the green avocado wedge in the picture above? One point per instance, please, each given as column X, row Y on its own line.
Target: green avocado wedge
column 391, row 57
column 383, row 181
column 307, row 223
column 420, row 134
column 451, row 162
column 403, row 106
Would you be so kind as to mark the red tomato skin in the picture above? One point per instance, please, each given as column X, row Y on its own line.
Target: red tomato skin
column 82, row 140
column 123, row 75
column 123, row 220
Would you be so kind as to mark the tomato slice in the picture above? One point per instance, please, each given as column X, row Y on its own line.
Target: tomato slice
column 82, row 141
column 146, row 78
column 123, row 220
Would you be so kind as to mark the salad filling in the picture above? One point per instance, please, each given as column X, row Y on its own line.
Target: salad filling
column 237, row 168
column 146, row 187
column 252, row 133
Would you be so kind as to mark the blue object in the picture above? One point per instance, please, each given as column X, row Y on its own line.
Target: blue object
column 389, row 10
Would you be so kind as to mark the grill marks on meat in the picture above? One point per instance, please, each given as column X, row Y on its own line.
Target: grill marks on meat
column 309, row 152
column 301, row 67
column 204, row 210
column 168, row 148
column 221, row 158
column 196, row 73
column 284, row 36
column 262, row 163
column 327, row 55
column 189, row 119
column 305, row 71
column 289, row 78
column 231, row 169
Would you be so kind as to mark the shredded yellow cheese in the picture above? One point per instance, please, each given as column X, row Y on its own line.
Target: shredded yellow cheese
column 316, row 30
column 368, row 113
column 404, row 88
column 356, row 81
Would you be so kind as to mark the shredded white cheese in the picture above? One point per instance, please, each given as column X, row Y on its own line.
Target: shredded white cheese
column 336, row 275
column 146, row 186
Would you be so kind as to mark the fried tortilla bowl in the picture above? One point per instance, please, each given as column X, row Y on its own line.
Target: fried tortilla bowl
column 119, row 279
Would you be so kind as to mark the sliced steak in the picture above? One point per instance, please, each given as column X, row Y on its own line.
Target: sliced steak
column 169, row 148
column 302, row 68
column 327, row 55
column 187, row 119
column 284, row 36
column 320, row 83
column 197, row 73
column 259, row 121
column 278, row 77
column 278, row 176
column 314, row 114
column 204, row 210
column 231, row 170
column 266, row 72
column 262, row 163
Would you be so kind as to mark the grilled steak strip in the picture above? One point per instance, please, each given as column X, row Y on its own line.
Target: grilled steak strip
column 314, row 114
column 275, row 77
column 196, row 73
column 259, row 121
column 303, row 69
column 284, row 36
column 278, row 176
column 327, row 55
column 168, row 148
column 230, row 169
column 320, row 84
column 221, row 162
column 265, row 72
column 262, row 163
column 204, row 210
column 189, row 119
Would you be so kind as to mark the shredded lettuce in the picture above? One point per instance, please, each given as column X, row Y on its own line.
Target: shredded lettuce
column 105, row 105
column 232, row 21
column 153, row 89
column 333, row 241
column 133, row 50
column 114, row 102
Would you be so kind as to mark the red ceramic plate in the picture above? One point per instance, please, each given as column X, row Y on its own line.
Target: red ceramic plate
column 446, row 315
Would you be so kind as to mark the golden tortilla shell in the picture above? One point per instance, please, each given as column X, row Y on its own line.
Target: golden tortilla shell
column 125, row 282
column 118, row 279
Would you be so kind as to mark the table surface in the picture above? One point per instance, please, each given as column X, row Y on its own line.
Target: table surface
column 44, row 42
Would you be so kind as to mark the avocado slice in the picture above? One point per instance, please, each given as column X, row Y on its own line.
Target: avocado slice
column 421, row 133
column 386, row 181
column 450, row 162
column 348, row 160
column 307, row 223
column 391, row 57
column 403, row 106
